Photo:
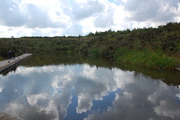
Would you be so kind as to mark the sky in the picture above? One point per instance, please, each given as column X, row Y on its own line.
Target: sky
column 80, row 17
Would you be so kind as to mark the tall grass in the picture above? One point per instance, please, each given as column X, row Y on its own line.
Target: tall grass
column 146, row 57
column 93, row 52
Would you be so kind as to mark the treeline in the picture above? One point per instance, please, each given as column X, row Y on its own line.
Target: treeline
column 151, row 47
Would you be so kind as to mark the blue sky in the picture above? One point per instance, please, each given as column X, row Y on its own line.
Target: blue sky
column 80, row 17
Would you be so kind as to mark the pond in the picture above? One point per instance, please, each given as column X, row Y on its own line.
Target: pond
column 79, row 88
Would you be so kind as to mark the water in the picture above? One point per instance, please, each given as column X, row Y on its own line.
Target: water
column 83, row 91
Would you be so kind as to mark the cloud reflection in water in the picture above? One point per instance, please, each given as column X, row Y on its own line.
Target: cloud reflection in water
column 86, row 92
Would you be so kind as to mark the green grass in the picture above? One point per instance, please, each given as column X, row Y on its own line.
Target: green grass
column 93, row 52
column 146, row 57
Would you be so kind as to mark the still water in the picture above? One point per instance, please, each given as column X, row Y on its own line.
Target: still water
column 83, row 91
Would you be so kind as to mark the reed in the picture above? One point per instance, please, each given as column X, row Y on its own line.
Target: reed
column 93, row 52
column 146, row 57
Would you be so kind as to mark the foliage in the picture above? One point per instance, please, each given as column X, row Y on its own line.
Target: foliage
column 151, row 47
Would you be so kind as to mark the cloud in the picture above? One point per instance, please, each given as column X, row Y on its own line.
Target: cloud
column 86, row 9
column 10, row 14
column 80, row 17
column 47, row 92
column 86, row 94
column 41, row 101
column 74, row 29
column 38, row 18
column 34, row 113
column 134, row 99
column 151, row 10
column 15, row 14
column 53, row 91
column 33, row 99
column 167, row 109
column 105, row 19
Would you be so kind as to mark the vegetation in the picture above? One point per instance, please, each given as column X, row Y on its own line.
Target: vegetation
column 146, row 57
column 157, row 48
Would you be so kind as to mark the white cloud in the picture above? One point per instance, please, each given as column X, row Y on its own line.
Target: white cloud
column 84, row 103
column 48, row 92
column 167, row 109
column 79, row 17
column 178, row 95
column 1, row 88
column 14, row 109
column 105, row 19
column 155, row 11
column 33, row 99
column 82, row 10
column 121, row 78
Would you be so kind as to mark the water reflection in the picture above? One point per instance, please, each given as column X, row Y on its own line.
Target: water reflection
column 80, row 91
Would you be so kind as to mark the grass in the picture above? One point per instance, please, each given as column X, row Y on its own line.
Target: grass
column 146, row 57
column 93, row 52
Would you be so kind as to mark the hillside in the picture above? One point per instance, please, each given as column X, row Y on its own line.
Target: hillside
column 157, row 48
